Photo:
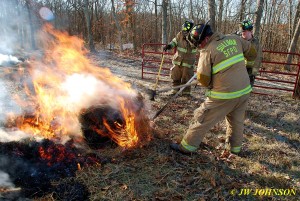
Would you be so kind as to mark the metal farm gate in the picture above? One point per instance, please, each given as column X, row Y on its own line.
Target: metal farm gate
column 276, row 77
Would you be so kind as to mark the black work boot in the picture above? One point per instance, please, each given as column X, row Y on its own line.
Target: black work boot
column 176, row 147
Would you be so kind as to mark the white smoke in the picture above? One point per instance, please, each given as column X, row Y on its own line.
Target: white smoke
column 85, row 90
column 8, row 59
column 5, row 180
column 7, row 104
column 10, row 21
column 9, row 136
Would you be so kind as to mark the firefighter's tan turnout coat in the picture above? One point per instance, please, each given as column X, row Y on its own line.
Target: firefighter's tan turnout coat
column 183, row 61
column 221, row 68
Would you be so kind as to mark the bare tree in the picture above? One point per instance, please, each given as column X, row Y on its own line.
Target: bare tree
column 88, row 26
column 191, row 16
column 292, row 47
column 164, row 21
column 131, row 21
column 296, row 16
column 212, row 13
column 20, row 24
column 220, row 14
column 119, row 28
column 257, row 18
column 156, row 20
column 242, row 10
column 32, row 35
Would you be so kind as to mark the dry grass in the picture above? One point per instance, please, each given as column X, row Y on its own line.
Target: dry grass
column 155, row 172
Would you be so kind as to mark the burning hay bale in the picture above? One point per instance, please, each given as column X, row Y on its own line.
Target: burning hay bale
column 70, row 98
column 102, row 123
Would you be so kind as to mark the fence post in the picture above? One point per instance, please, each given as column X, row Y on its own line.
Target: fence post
column 297, row 87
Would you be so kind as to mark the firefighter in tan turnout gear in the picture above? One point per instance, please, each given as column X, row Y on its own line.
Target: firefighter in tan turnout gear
column 184, row 58
column 221, row 68
column 253, row 65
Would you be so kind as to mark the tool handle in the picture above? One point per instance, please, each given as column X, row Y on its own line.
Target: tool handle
column 173, row 97
column 160, row 67
column 177, row 87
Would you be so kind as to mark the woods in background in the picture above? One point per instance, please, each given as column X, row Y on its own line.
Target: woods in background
column 110, row 23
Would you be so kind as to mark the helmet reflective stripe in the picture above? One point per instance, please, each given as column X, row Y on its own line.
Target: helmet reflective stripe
column 188, row 147
column 247, row 25
column 235, row 149
column 187, row 25
column 228, row 62
column 229, row 95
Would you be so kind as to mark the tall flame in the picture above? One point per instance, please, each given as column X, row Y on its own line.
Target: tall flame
column 64, row 82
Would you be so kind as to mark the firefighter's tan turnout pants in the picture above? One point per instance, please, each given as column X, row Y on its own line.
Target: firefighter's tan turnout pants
column 181, row 75
column 211, row 112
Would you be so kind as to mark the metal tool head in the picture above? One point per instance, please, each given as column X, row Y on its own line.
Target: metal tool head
column 152, row 94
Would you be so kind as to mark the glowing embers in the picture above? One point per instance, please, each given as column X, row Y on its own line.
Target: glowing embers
column 33, row 166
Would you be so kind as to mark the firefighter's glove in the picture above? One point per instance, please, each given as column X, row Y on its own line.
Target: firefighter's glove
column 255, row 71
column 251, row 54
column 167, row 47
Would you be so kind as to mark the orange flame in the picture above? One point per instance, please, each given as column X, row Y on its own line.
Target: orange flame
column 64, row 83
column 126, row 135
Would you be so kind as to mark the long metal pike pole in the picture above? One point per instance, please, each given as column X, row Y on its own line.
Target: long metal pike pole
column 172, row 98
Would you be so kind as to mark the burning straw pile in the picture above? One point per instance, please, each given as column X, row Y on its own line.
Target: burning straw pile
column 65, row 92
column 66, row 99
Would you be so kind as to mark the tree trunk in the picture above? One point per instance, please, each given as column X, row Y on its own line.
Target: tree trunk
column 171, row 29
column 297, row 91
column 164, row 21
column 220, row 15
column 296, row 17
column 119, row 28
column 88, row 26
column 33, row 45
column 191, row 15
column 293, row 45
column 130, row 12
column 20, row 25
column 257, row 18
column 242, row 10
column 156, row 22
column 212, row 14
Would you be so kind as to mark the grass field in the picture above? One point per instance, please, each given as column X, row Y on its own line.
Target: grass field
column 154, row 172
column 269, row 170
